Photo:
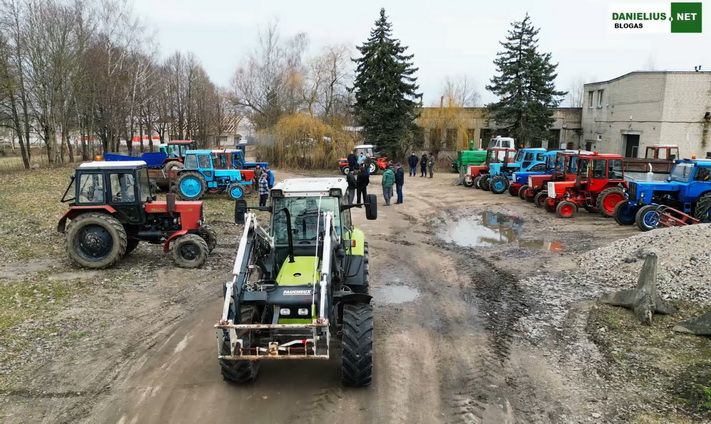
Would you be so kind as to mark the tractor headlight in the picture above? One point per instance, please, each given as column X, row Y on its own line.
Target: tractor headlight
column 303, row 312
column 285, row 311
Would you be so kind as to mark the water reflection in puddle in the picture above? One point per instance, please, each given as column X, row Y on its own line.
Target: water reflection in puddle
column 490, row 229
column 395, row 294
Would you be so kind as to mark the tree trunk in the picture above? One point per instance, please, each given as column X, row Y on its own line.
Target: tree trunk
column 70, row 149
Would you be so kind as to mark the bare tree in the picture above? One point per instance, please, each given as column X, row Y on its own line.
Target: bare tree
column 461, row 91
column 575, row 93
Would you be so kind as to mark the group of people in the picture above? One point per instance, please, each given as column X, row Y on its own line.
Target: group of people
column 426, row 162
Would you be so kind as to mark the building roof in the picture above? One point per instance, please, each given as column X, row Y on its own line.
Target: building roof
column 311, row 185
column 648, row 73
column 119, row 164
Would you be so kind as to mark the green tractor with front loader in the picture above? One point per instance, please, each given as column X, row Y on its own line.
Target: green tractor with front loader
column 299, row 287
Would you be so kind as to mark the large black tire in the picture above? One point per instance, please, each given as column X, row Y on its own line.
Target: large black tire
column 499, row 184
column 172, row 165
column 644, row 220
column 522, row 192
column 702, row 210
column 95, row 240
column 540, row 198
column 623, row 215
column 608, row 199
column 189, row 251
column 476, row 182
column 240, row 372
column 484, row 182
column 468, row 181
column 210, row 237
column 131, row 245
column 357, row 345
column 189, row 175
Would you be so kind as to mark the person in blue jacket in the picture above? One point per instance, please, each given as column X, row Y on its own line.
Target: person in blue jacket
column 270, row 176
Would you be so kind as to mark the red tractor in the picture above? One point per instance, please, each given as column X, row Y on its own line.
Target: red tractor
column 475, row 173
column 375, row 160
column 112, row 209
column 598, row 186
column 566, row 169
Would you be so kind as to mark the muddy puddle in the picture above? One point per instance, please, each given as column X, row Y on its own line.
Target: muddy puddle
column 395, row 294
column 486, row 229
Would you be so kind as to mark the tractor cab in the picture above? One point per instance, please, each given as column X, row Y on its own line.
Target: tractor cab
column 598, row 171
column 122, row 186
column 502, row 143
column 500, row 155
column 176, row 148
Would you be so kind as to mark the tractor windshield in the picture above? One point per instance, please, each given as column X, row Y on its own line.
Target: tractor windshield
column 682, row 172
column 144, row 185
column 519, row 156
column 306, row 215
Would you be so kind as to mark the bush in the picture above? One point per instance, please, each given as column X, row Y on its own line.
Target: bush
column 304, row 142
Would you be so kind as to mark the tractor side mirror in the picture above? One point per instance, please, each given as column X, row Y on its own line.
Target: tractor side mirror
column 240, row 211
column 371, row 207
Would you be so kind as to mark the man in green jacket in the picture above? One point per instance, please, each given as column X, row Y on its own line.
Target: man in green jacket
column 388, row 181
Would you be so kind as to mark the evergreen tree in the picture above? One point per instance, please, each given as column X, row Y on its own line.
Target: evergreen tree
column 525, row 85
column 385, row 89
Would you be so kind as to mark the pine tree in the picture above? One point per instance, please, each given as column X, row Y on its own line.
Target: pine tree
column 525, row 85
column 385, row 89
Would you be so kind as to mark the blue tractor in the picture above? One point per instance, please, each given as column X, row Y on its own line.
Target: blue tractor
column 497, row 180
column 519, row 179
column 207, row 171
column 687, row 190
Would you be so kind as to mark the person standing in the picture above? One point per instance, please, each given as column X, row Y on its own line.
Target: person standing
column 352, row 161
column 423, row 165
column 362, row 182
column 270, row 176
column 257, row 174
column 412, row 161
column 263, row 189
column 431, row 164
column 387, row 182
column 352, row 186
column 399, row 181
column 361, row 158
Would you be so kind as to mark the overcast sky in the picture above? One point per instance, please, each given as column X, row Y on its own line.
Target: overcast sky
column 447, row 37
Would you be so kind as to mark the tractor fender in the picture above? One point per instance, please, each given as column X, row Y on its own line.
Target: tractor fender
column 175, row 235
column 346, row 298
column 75, row 211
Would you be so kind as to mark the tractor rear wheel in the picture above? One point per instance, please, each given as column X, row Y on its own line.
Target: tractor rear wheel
column 210, row 237
column 248, row 189
column 540, row 198
column 608, row 199
column 566, row 209
column 647, row 218
column 550, row 204
column 96, row 240
column 357, row 345
column 191, row 185
column 172, row 165
column 468, row 181
column 131, row 245
column 189, row 251
column 236, row 191
column 240, row 372
column 485, row 182
column 522, row 192
column 624, row 213
column 499, row 184
column 345, row 170
column 477, row 181
column 702, row 210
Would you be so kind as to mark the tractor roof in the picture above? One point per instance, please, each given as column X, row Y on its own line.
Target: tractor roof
column 534, row 149
column 200, row 152
column 364, row 146
column 311, row 186
column 103, row 164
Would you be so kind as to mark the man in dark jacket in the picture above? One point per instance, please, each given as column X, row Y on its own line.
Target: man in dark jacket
column 399, row 181
column 352, row 185
column 423, row 165
column 352, row 162
column 362, row 182
column 412, row 161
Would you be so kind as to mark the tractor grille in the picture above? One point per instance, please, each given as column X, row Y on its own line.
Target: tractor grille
column 633, row 191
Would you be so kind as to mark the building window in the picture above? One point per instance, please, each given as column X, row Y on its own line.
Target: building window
column 451, row 138
column 599, row 98
column 435, row 138
column 591, row 96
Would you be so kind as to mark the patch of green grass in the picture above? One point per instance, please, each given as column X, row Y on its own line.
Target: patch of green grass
column 23, row 300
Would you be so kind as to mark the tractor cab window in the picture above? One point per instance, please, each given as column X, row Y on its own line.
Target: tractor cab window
column 583, row 167
column 682, row 172
column 702, row 174
column 144, row 185
column 538, row 167
column 539, row 156
column 599, row 169
column 220, row 161
column 204, row 162
column 552, row 161
column 614, row 169
column 91, row 188
column 573, row 165
column 191, row 162
column 306, row 217
column 123, row 187
column 519, row 156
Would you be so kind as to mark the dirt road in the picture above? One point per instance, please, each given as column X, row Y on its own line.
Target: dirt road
column 448, row 345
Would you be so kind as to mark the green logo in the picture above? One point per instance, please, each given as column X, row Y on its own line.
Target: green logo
column 686, row 17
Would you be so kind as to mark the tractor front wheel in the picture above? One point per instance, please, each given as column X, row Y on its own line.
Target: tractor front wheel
column 624, row 213
column 499, row 184
column 608, row 199
column 96, row 240
column 702, row 210
column 485, row 182
column 647, row 218
column 550, row 204
column 189, row 251
column 239, row 372
column 236, row 191
column 566, row 209
column 357, row 345
column 540, row 198
column 191, row 186
column 477, row 182
column 522, row 192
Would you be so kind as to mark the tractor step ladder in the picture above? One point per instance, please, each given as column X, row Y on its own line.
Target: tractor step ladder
column 670, row 217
